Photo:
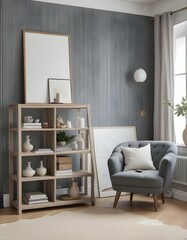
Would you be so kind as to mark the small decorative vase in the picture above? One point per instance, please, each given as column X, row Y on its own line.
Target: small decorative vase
column 184, row 135
column 41, row 171
column 28, row 171
column 27, row 147
column 80, row 141
column 74, row 145
column 73, row 190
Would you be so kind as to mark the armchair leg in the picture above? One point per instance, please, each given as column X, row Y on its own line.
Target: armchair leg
column 155, row 202
column 163, row 198
column 116, row 199
column 131, row 197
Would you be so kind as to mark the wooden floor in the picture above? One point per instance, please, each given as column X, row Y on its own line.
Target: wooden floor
column 173, row 212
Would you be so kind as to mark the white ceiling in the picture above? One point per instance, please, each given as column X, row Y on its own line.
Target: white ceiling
column 141, row 1
column 139, row 7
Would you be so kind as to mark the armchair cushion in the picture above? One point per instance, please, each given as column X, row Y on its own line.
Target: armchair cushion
column 138, row 158
column 145, row 179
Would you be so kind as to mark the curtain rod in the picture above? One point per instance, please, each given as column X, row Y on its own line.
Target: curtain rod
column 178, row 10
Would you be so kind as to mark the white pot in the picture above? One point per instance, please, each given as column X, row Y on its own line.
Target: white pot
column 73, row 190
column 184, row 135
column 61, row 143
column 27, row 146
column 28, row 171
column 41, row 171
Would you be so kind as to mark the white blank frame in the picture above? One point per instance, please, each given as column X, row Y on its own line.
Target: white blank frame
column 46, row 55
column 105, row 140
column 61, row 87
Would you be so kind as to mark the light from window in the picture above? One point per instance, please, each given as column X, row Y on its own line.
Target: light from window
column 180, row 55
column 180, row 41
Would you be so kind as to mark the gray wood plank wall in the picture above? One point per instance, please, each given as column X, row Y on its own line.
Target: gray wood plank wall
column 106, row 48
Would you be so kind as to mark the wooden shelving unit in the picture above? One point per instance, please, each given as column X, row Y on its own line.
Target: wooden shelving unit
column 82, row 159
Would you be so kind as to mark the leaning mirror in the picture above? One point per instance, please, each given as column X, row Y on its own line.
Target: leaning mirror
column 46, row 56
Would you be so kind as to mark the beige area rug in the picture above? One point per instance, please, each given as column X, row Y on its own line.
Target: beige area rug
column 92, row 223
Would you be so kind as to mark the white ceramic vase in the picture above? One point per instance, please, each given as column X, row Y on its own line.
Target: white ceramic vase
column 184, row 135
column 73, row 190
column 74, row 145
column 27, row 146
column 41, row 171
column 28, row 171
column 80, row 141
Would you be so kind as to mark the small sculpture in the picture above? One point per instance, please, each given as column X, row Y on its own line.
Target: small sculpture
column 60, row 122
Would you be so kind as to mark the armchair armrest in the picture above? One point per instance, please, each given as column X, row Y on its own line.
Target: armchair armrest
column 115, row 163
column 166, row 168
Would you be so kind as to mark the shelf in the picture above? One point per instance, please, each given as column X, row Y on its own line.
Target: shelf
column 27, row 154
column 37, row 129
column 72, row 129
column 46, row 138
column 57, row 203
column 49, row 106
column 34, row 178
column 37, row 178
column 73, row 152
column 76, row 174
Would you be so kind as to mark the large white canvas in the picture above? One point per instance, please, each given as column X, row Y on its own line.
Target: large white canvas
column 45, row 56
column 105, row 140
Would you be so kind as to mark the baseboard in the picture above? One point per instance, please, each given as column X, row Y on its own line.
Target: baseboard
column 180, row 195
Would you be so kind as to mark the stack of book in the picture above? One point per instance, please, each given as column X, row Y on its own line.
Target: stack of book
column 64, row 165
column 31, row 125
column 35, row 197
column 43, row 150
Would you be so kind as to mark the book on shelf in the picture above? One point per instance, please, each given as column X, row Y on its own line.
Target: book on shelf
column 65, row 148
column 43, row 150
column 31, row 124
column 63, row 172
column 64, row 159
column 64, row 166
column 35, row 195
column 35, row 201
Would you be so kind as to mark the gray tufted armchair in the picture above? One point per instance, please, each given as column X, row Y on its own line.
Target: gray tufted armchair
column 155, row 182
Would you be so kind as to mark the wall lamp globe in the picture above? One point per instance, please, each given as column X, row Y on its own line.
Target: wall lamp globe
column 140, row 75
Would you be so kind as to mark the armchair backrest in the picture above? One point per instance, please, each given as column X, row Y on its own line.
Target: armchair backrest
column 158, row 149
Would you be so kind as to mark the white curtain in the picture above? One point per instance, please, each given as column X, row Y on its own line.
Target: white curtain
column 164, row 77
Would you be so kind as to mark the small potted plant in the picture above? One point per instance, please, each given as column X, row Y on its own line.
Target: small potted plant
column 63, row 139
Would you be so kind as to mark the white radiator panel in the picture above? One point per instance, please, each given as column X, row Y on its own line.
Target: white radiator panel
column 180, row 171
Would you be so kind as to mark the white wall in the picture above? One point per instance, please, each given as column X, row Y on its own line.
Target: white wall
column 166, row 6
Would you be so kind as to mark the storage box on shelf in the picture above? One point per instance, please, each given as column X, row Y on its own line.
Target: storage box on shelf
column 38, row 163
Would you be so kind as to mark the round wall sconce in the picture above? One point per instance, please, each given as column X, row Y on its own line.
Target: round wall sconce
column 140, row 75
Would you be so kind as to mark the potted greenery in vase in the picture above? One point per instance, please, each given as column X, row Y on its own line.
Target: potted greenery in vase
column 62, row 138
column 180, row 110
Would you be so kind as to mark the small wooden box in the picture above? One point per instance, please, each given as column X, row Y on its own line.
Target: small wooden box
column 64, row 160
column 64, row 166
